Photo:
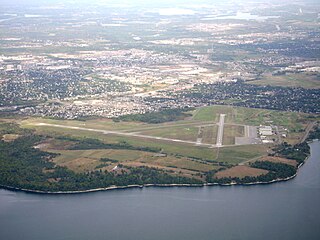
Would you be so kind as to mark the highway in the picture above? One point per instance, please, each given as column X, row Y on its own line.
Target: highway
column 220, row 130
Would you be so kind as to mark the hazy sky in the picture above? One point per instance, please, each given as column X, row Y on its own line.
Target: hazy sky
column 25, row 2
column 142, row 2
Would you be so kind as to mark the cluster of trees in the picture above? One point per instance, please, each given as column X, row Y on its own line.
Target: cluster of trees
column 254, row 96
column 276, row 171
column 108, row 160
column 298, row 152
column 167, row 115
column 315, row 134
column 12, row 128
column 23, row 166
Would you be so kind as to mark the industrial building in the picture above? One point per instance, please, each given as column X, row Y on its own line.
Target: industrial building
column 265, row 131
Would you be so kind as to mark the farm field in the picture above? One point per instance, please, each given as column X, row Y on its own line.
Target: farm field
column 90, row 160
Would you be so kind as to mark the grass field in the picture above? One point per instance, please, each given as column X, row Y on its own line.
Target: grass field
column 279, row 160
column 187, row 159
column 10, row 137
column 290, row 80
column 90, row 160
column 230, row 132
column 212, row 113
column 241, row 172
column 239, row 154
column 210, row 134
column 106, row 124
column 183, row 132
column 251, row 116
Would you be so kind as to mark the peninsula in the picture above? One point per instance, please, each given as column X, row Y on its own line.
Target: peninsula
column 206, row 146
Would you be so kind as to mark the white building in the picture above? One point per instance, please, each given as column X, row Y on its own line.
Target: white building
column 265, row 131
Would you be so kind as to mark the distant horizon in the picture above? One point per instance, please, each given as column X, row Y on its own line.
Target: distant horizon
column 143, row 2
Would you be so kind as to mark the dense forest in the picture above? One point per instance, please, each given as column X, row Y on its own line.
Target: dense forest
column 167, row 115
column 298, row 152
column 24, row 166
column 315, row 134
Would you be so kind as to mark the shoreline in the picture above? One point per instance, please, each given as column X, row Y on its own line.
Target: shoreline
column 158, row 185
column 145, row 186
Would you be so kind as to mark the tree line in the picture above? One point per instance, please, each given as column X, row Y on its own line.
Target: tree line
column 167, row 115
column 23, row 166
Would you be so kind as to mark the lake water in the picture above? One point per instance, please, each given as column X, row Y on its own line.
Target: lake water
column 287, row 210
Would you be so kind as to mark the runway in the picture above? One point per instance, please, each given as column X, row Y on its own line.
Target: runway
column 220, row 130
column 129, row 134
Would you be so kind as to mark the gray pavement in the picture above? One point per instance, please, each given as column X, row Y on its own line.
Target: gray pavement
column 220, row 130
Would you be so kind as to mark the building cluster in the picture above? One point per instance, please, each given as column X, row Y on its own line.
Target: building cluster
column 266, row 133
column 63, row 72
column 239, row 93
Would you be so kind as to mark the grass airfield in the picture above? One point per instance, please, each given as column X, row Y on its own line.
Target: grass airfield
column 188, row 146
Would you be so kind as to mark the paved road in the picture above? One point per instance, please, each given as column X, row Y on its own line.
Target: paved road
column 128, row 134
column 307, row 131
column 220, row 130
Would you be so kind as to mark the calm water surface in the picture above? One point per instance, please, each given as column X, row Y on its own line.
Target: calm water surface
column 288, row 210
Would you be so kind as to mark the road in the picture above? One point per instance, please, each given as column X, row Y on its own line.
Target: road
column 220, row 130
column 307, row 131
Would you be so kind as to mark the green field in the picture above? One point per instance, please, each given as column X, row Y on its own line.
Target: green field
column 294, row 121
column 230, row 132
column 90, row 160
column 290, row 80
column 179, row 132
column 240, row 154
column 185, row 157
column 210, row 134
column 212, row 113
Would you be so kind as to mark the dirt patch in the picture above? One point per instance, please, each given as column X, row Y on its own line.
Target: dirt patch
column 241, row 172
column 54, row 180
column 55, row 144
column 81, row 164
column 10, row 137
